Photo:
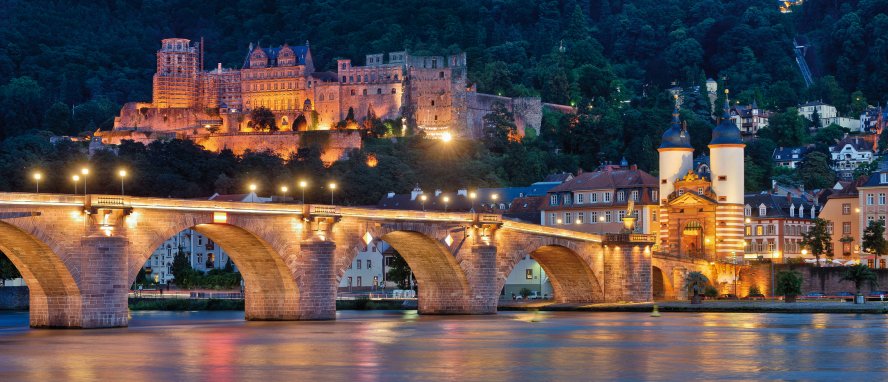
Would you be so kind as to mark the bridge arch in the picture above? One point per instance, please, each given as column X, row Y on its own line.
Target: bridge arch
column 571, row 277
column 442, row 284
column 271, row 290
column 55, row 298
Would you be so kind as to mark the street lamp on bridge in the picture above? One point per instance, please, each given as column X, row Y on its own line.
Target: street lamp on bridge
column 422, row 200
column 253, row 188
column 84, row 171
column 37, row 177
column 303, row 184
column 332, row 189
column 75, row 178
column 284, row 190
column 122, row 175
column 446, row 200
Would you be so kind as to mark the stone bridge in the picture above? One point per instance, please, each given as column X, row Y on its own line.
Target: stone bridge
column 79, row 254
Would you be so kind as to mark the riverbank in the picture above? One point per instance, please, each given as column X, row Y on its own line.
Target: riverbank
column 183, row 304
column 707, row 306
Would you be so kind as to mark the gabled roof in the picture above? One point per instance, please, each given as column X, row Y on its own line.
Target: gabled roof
column 857, row 143
column 608, row 179
column 559, row 178
column 272, row 54
column 850, row 190
column 695, row 199
column 786, row 153
column 778, row 206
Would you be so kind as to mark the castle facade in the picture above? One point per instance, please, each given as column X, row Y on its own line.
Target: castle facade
column 429, row 92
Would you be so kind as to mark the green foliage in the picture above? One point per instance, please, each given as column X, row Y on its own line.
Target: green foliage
column 7, row 269
column 499, row 127
column 181, row 268
column 399, row 272
column 788, row 284
column 696, row 282
column 873, row 240
column 754, row 290
column 787, row 129
column 865, row 169
column 524, row 292
column 262, row 119
column 817, row 240
column 710, row 291
column 815, row 172
column 861, row 274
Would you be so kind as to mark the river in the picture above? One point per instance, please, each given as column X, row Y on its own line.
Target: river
column 400, row 346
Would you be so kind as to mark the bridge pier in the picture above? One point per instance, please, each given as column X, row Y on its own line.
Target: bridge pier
column 317, row 289
column 626, row 256
column 478, row 297
column 104, row 285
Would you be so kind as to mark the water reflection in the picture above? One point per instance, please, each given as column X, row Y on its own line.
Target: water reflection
column 388, row 346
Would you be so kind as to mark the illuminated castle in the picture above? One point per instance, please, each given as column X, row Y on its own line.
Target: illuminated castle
column 429, row 92
column 701, row 212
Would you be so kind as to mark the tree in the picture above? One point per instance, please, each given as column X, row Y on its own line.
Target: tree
column 263, row 119
column 860, row 274
column 181, row 268
column 7, row 269
column 21, row 106
column 695, row 283
column 499, row 128
column 873, row 240
column 787, row 129
column 789, row 285
column 815, row 171
column 399, row 271
column 865, row 169
column 818, row 240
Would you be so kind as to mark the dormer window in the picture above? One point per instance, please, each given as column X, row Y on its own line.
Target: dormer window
column 747, row 210
column 801, row 211
column 763, row 211
column 553, row 200
column 792, row 211
column 883, row 178
column 621, row 196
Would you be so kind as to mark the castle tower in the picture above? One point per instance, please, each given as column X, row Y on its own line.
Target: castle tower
column 676, row 159
column 175, row 83
column 726, row 153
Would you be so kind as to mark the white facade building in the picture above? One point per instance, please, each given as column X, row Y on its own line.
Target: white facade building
column 826, row 112
column 203, row 255
column 849, row 153
column 367, row 271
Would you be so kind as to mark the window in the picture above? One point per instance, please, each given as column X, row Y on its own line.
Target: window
column 699, row 190
column 353, row 92
column 681, row 191
column 349, row 281
column 792, row 210
column 748, row 230
column 655, row 194
column 653, row 216
column 368, row 264
column 634, row 195
column 593, row 217
column 393, row 91
column 359, row 280
column 581, row 217
column 552, row 219
column 620, row 215
column 747, row 210
column 567, row 218
column 364, row 92
column 883, row 178
column 771, row 229
column 881, row 198
column 770, row 246
column 440, row 74
column 846, row 228
column 553, row 200
column 763, row 210
column 433, row 103
column 846, row 209
column 621, row 196
column 359, row 264
column 759, row 230
column 801, row 211
column 606, row 197
column 869, row 199
column 580, row 198
column 593, row 197
column 607, row 217
column 722, row 178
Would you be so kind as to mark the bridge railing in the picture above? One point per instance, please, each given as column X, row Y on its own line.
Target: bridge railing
column 630, row 237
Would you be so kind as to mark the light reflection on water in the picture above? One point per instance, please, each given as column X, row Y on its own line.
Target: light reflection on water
column 394, row 346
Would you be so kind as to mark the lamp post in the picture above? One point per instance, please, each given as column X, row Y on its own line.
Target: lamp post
column 422, row 200
column 85, row 172
column 472, row 196
column 284, row 190
column 332, row 189
column 253, row 188
column 75, row 178
column 302, row 185
column 446, row 200
column 601, row 227
column 493, row 199
column 37, row 177
column 122, row 174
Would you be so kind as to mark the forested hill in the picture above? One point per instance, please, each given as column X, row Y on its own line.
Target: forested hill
column 613, row 58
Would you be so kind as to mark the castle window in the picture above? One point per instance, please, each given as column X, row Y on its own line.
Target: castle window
column 593, row 217
column 396, row 77
column 353, row 92
column 581, row 217
column 433, row 102
column 655, row 194
column 321, row 97
column 748, row 231
column 723, row 198
column 393, row 90
column 883, row 178
column 365, row 91
column 881, row 198
column 440, row 74
column 378, row 90
column 436, row 117
column 343, row 79
column 365, row 78
column 792, row 211
column 663, row 181
column 771, row 229
column 351, row 78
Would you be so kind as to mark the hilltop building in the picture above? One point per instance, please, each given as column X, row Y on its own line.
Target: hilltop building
column 214, row 107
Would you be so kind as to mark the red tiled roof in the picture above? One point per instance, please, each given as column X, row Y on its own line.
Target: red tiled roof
column 607, row 179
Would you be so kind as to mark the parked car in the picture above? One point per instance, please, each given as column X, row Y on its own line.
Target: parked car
column 728, row 296
column 814, row 295
column 757, row 296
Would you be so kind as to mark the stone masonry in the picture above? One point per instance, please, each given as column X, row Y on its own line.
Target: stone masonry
column 79, row 255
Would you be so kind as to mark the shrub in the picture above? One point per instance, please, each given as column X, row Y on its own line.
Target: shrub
column 789, row 285
column 710, row 291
